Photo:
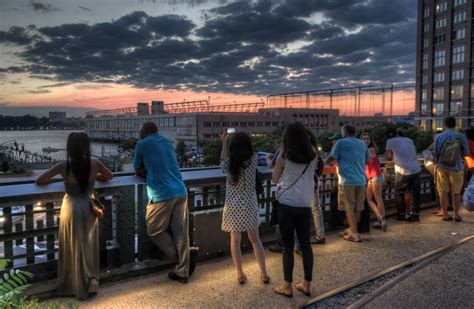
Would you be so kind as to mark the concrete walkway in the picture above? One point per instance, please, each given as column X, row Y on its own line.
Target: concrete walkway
column 214, row 284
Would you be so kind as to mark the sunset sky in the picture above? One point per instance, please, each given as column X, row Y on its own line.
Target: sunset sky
column 107, row 54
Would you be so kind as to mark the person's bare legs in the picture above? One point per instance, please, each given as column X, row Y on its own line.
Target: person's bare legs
column 444, row 201
column 456, row 204
column 235, row 238
column 258, row 250
column 352, row 221
column 370, row 200
column 378, row 192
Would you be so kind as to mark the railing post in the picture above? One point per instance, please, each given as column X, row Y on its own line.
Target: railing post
column 144, row 243
column 50, row 237
column 7, row 229
column 126, row 221
column 30, row 241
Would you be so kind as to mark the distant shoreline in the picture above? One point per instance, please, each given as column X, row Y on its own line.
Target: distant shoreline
column 55, row 129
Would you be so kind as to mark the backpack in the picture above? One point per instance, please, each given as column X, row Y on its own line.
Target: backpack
column 450, row 151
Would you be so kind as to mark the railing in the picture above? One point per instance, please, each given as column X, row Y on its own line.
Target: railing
column 29, row 231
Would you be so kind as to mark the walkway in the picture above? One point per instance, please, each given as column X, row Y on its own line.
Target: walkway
column 214, row 284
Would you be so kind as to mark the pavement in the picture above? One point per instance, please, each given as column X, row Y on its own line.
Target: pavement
column 214, row 284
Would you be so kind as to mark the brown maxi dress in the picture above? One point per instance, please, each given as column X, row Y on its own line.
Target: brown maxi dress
column 78, row 264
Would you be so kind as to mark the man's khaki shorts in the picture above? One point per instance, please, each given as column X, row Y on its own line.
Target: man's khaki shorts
column 351, row 198
column 449, row 181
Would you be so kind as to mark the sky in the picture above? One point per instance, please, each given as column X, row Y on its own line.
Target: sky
column 114, row 53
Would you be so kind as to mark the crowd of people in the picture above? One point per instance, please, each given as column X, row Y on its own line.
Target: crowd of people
column 296, row 168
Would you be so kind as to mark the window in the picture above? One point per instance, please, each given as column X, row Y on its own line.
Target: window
column 456, row 3
column 456, row 92
column 438, row 108
column 207, row 124
column 457, row 74
column 423, row 125
column 455, row 108
column 425, row 61
column 426, row 42
column 438, row 77
column 424, row 79
column 459, row 17
column 424, row 109
column 426, row 12
column 243, row 124
column 459, row 34
column 458, row 54
column 440, row 38
column 439, row 58
column 441, row 7
column 426, row 27
column 216, row 124
column 438, row 94
column 423, row 95
column 437, row 125
column 440, row 23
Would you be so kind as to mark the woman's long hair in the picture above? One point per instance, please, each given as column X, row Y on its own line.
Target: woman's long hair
column 372, row 142
column 297, row 144
column 79, row 159
column 240, row 152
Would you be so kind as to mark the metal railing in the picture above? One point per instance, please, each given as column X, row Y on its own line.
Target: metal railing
column 30, row 219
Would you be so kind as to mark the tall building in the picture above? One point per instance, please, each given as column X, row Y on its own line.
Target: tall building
column 443, row 63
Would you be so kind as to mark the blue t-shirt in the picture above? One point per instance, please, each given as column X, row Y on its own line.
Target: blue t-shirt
column 447, row 136
column 163, row 178
column 351, row 155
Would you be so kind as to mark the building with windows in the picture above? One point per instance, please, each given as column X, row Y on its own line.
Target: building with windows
column 443, row 61
column 57, row 116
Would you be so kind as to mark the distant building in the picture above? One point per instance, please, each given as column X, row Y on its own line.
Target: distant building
column 142, row 109
column 195, row 128
column 157, row 107
column 443, row 63
column 57, row 116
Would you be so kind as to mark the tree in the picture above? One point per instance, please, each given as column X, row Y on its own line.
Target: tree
column 212, row 152
column 265, row 143
column 181, row 149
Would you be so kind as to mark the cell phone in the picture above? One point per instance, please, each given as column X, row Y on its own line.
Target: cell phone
column 231, row 130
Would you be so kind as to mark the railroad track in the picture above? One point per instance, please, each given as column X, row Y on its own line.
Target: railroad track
column 361, row 292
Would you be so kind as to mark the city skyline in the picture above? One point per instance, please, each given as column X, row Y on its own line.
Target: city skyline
column 89, row 54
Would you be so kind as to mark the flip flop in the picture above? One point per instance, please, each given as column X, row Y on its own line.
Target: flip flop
column 242, row 279
column 265, row 279
column 350, row 237
column 299, row 287
column 281, row 290
column 448, row 218
column 458, row 218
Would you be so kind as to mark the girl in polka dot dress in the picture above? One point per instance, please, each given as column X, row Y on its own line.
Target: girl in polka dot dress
column 240, row 214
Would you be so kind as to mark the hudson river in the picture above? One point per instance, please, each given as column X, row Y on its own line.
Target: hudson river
column 36, row 140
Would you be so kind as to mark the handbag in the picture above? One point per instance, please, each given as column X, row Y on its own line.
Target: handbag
column 276, row 204
column 97, row 208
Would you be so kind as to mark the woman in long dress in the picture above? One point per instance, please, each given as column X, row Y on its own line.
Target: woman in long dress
column 78, row 263
column 240, row 214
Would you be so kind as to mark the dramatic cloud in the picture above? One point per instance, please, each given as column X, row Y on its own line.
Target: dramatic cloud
column 43, row 7
column 256, row 47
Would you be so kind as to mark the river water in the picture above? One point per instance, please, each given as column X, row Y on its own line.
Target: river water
column 36, row 140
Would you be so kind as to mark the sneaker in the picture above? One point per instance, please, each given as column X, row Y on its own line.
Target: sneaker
column 377, row 225
column 383, row 224
column 319, row 241
column 173, row 276
column 275, row 248
column 400, row 219
column 413, row 218
column 193, row 252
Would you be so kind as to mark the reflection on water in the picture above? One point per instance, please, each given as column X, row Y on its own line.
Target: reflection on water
column 35, row 141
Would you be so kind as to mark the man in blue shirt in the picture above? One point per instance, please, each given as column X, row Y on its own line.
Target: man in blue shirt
column 449, row 150
column 351, row 155
column 167, row 210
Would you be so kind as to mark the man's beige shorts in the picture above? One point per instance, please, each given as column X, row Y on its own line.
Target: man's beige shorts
column 351, row 198
column 449, row 181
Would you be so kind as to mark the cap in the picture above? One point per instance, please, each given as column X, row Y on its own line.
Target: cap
column 336, row 136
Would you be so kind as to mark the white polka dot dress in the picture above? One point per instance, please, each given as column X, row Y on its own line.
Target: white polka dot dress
column 241, row 204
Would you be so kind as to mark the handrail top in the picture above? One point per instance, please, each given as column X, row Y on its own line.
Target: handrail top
column 190, row 177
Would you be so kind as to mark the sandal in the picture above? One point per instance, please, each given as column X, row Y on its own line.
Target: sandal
column 448, row 218
column 242, row 279
column 344, row 233
column 265, row 279
column 350, row 237
column 282, row 291
column 300, row 287
column 458, row 218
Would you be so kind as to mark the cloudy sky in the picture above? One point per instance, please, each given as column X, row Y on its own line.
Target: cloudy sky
column 111, row 53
